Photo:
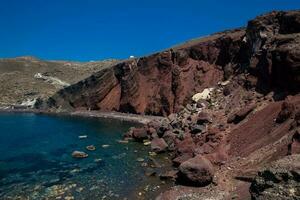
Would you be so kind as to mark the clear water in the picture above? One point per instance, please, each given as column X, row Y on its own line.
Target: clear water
column 36, row 161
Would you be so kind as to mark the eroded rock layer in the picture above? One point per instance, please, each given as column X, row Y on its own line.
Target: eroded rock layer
column 232, row 104
column 266, row 53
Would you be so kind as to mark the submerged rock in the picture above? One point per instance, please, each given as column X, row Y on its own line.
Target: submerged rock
column 140, row 159
column 91, row 148
column 97, row 160
column 122, row 141
column 79, row 154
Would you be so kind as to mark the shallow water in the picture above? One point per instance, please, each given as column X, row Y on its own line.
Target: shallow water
column 36, row 161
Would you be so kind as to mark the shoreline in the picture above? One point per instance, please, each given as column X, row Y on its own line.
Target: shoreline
column 128, row 117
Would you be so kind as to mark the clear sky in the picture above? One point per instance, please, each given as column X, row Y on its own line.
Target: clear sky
column 86, row 30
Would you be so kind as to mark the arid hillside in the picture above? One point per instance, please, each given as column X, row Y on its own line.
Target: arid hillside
column 24, row 79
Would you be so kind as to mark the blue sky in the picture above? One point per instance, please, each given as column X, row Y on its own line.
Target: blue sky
column 86, row 30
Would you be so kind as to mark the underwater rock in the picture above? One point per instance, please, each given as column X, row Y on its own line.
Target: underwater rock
column 79, row 154
column 91, row 148
column 140, row 159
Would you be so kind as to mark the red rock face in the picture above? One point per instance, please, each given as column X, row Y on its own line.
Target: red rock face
column 269, row 49
column 156, row 85
column 275, row 49
column 248, row 122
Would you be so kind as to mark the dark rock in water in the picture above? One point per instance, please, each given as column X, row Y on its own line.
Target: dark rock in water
column 79, row 154
column 241, row 114
column 197, row 171
column 158, row 145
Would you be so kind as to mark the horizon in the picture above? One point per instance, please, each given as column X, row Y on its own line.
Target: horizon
column 95, row 31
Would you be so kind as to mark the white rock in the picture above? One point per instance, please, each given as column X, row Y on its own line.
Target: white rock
column 225, row 83
column 52, row 80
column 205, row 94
column 29, row 103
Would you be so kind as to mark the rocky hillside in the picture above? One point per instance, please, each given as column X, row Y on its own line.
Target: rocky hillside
column 264, row 56
column 232, row 108
column 24, row 79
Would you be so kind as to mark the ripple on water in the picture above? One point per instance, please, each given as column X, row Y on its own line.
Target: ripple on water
column 37, row 162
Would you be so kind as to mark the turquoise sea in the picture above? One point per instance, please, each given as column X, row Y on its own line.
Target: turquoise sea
column 36, row 161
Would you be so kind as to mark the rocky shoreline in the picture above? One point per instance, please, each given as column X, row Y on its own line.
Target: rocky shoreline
column 141, row 119
column 229, row 107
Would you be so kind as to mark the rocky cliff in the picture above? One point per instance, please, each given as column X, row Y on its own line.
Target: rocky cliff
column 265, row 56
column 232, row 104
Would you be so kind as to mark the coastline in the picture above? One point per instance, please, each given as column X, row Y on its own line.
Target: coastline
column 136, row 118
column 157, row 186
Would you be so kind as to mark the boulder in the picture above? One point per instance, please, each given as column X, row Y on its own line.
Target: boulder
column 79, row 154
column 169, row 175
column 139, row 134
column 164, row 126
column 197, row 171
column 152, row 132
column 203, row 117
column 195, row 128
column 204, row 95
column 180, row 159
column 186, row 146
column 158, row 145
column 170, row 138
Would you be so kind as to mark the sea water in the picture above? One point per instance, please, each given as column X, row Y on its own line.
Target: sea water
column 36, row 161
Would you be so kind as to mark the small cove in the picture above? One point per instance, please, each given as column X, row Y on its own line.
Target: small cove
column 36, row 161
